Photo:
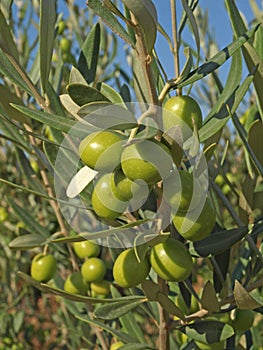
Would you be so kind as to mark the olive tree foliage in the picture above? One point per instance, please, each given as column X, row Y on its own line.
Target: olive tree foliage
column 54, row 64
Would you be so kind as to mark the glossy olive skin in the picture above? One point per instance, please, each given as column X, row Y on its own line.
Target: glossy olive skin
column 128, row 272
column 75, row 284
column 86, row 249
column 182, row 190
column 93, row 270
column 100, row 287
column 101, row 150
column 104, row 201
column 195, row 225
column 182, row 111
column 43, row 267
column 171, row 260
column 148, row 160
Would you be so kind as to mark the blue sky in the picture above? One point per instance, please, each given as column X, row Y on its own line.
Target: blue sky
column 219, row 23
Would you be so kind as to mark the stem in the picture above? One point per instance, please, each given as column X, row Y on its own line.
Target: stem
column 163, row 319
column 145, row 59
column 175, row 42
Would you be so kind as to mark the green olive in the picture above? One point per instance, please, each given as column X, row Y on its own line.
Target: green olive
column 171, row 260
column 43, row 267
column 183, row 111
column 86, row 249
column 102, row 150
column 75, row 284
column 93, row 270
column 148, row 160
column 104, row 201
column 195, row 225
column 128, row 272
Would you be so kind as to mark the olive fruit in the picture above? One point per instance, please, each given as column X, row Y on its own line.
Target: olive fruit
column 65, row 45
column 182, row 190
column 148, row 160
column 101, row 150
column 75, row 284
column 100, row 287
column 195, row 225
column 183, row 111
column 128, row 272
column 43, row 267
column 171, row 260
column 86, row 249
column 242, row 320
column 104, row 201
column 93, row 270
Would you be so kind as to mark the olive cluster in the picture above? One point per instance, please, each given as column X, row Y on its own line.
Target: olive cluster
column 89, row 280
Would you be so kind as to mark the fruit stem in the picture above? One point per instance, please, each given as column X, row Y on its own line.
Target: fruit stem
column 175, row 43
column 163, row 319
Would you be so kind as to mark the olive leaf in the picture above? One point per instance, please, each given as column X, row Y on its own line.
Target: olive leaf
column 146, row 15
column 80, row 180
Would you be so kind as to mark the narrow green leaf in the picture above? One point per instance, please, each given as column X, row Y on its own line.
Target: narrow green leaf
column 10, row 130
column 219, row 242
column 112, row 94
column 218, row 121
column 233, row 80
column 146, row 15
column 56, row 121
column 101, row 234
column 128, row 321
column 208, row 331
column 107, row 116
column 6, row 38
column 46, row 288
column 28, row 190
column 124, row 337
column 88, row 59
column 76, row 77
column 116, row 309
column 258, row 42
column 5, row 6
column 8, row 69
column 216, row 61
column 30, row 223
column 170, row 306
column 46, row 38
column 193, row 24
column 28, row 241
column 82, row 94
column 243, row 299
column 110, row 20
column 250, row 54
column 7, row 97
column 209, row 299
column 28, row 172
column 137, row 346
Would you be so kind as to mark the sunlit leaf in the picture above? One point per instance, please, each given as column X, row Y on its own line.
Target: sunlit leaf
column 88, row 59
column 117, row 309
column 82, row 178
column 209, row 299
column 82, row 94
column 46, row 38
column 216, row 61
column 28, row 241
column 146, row 15
column 243, row 299
column 109, row 19
column 208, row 331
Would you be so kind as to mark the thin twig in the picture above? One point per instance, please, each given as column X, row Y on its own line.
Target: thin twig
column 175, row 42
